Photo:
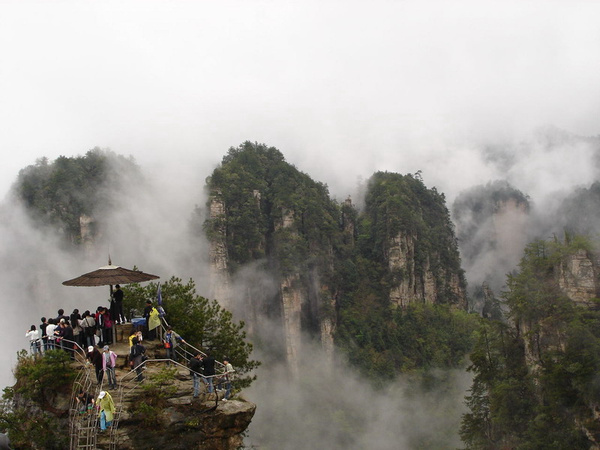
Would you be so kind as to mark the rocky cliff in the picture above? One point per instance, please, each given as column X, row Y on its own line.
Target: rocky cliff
column 160, row 412
column 271, row 220
column 411, row 286
column 578, row 276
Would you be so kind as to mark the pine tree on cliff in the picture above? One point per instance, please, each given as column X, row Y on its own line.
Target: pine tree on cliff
column 535, row 381
column 276, row 214
column 59, row 193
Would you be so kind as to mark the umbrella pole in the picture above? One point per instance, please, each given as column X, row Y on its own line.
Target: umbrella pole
column 114, row 325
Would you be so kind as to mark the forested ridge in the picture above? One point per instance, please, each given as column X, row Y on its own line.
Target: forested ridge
column 278, row 215
column 60, row 192
column 536, row 373
column 534, row 360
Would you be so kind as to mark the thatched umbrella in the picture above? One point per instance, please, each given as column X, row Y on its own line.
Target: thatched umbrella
column 109, row 276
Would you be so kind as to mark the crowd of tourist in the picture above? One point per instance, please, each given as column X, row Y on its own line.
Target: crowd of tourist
column 93, row 331
column 63, row 331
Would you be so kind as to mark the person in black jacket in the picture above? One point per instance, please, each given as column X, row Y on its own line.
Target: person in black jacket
column 195, row 365
column 208, row 364
column 68, row 339
column 43, row 334
column 136, row 358
column 118, row 298
column 95, row 357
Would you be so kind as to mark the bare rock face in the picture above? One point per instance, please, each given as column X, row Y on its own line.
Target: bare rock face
column 188, row 424
column 292, row 299
column 87, row 233
column 327, row 326
column 401, row 261
column 177, row 421
column 578, row 277
column 220, row 282
column 412, row 287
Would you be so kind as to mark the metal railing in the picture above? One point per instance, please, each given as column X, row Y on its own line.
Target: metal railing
column 84, row 423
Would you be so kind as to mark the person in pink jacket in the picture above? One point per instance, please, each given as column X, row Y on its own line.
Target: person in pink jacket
column 109, row 360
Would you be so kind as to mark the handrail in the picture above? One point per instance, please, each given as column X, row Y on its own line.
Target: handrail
column 84, row 427
column 188, row 354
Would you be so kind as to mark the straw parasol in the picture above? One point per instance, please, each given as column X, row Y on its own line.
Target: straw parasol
column 110, row 275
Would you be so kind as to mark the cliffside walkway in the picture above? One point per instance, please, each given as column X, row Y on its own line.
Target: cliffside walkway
column 84, row 425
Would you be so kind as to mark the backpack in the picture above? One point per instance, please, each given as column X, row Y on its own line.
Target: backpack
column 89, row 329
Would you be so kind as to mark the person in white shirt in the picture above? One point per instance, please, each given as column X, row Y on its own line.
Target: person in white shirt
column 34, row 340
column 226, row 377
column 50, row 329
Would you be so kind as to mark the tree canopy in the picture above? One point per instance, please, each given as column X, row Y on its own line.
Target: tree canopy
column 535, row 377
column 278, row 215
column 58, row 193
column 200, row 321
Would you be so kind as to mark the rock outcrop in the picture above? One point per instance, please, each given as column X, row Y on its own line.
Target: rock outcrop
column 219, row 274
column 270, row 221
column 177, row 420
column 412, row 285
column 578, row 276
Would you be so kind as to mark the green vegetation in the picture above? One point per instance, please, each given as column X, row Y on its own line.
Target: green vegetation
column 279, row 218
column 26, row 411
column 398, row 205
column 580, row 212
column 58, row 193
column 339, row 257
column 150, row 403
column 201, row 322
column 535, row 378
column 273, row 211
column 411, row 340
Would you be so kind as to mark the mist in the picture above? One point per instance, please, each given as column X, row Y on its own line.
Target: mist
column 465, row 92
column 331, row 406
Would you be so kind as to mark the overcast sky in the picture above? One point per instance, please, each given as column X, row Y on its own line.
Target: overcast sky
column 341, row 88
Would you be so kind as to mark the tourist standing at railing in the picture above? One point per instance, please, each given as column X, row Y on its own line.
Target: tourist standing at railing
column 170, row 342
column 88, row 324
column 208, row 364
column 195, row 365
column 77, row 330
column 50, row 329
column 226, row 377
column 66, row 337
column 58, row 333
column 34, row 340
column 43, row 334
column 109, row 361
column 98, row 319
column 61, row 315
column 105, row 325
column 106, row 405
